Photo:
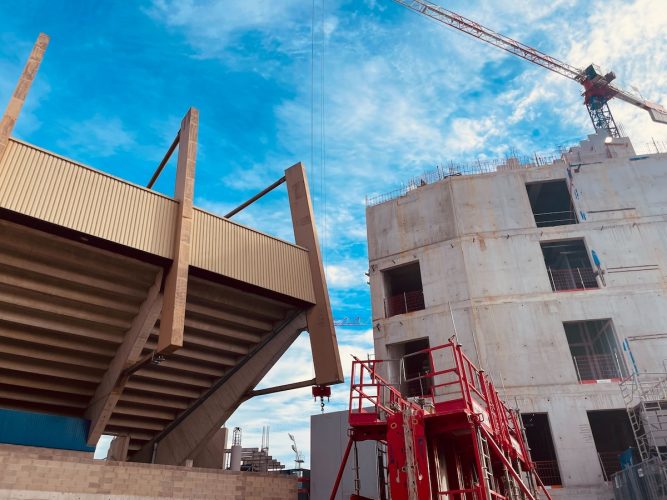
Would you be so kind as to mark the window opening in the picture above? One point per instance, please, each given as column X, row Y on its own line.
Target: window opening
column 413, row 365
column 541, row 444
column 595, row 350
column 612, row 435
column 568, row 265
column 551, row 203
column 403, row 290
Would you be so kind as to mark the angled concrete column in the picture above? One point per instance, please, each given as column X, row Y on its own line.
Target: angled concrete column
column 21, row 91
column 118, row 449
column 191, row 433
column 176, row 285
column 323, row 343
column 111, row 386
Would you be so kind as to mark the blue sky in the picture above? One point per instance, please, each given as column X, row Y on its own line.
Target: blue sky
column 388, row 95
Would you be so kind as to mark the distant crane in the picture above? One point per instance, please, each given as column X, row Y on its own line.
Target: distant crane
column 598, row 89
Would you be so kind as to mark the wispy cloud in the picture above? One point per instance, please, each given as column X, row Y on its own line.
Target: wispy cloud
column 98, row 135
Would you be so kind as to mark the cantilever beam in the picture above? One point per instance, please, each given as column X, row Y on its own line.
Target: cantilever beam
column 323, row 343
column 21, row 91
column 111, row 386
column 172, row 321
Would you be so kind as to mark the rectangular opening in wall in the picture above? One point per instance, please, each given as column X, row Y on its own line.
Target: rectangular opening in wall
column 403, row 289
column 412, row 365
column 541, row 444
column 612, row 435
column 568, row 265
column 595, row 351
column 551, row 203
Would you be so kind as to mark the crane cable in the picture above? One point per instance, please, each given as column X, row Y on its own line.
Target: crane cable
column 322, row 122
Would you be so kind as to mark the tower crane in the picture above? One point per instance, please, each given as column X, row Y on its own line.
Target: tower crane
column 598, row 90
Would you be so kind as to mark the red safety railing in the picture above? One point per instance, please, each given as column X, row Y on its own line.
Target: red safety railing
column 548, row 472
column 454, row 384
column 404, row 303
column 371, row 397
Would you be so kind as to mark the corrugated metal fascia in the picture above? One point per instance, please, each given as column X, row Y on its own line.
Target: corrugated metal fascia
column 40, row 184
column 242, row 253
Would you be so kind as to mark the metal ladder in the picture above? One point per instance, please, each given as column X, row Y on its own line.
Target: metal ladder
column 643, row 404
column 513, row 492
column 410, row 465
column 487, row 465
column 383, row 471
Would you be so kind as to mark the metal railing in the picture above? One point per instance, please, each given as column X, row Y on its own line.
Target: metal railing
column 404, row 303
column 598, row 367
column 548, row 472
column 610, row 462
column 646, row 480
column 562, row 218
column 573, row 278
column 455, row 169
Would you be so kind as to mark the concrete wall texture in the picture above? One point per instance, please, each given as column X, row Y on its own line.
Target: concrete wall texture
column 328, row 439
column 479, row 253
column 41, row 474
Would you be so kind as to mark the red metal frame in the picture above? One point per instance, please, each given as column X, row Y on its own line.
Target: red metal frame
column 461, row 401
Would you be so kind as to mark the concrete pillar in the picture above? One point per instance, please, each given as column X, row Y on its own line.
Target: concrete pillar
column 118, row 449
column 191, row 432
column 172, row 320
column 323, row 343
column 213, row 455
column 21, row 91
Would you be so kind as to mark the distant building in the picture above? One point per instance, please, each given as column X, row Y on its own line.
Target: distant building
column 552, row 274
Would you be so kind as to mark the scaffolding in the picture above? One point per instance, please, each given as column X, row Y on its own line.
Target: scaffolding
column 645, row 397
column 456, row 441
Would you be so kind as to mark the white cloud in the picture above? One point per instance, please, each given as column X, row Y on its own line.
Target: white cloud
column 349, row 273
column 402, row 94
column 97, row 135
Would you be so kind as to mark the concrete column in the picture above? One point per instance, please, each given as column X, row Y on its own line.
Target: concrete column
column 21, row 91
column 213, row 454
column 191, row 432
column 323, row 343
column 118, row 449
column 172, row 320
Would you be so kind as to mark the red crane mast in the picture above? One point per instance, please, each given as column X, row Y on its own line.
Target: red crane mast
column 598, row 89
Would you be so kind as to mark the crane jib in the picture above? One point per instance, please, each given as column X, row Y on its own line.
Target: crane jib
column 597, row 86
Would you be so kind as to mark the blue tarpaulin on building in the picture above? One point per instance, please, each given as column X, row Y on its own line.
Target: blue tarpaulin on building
column 43, row 430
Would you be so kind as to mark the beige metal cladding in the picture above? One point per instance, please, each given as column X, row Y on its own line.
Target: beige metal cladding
column 224, row 247
column 48, row 187
column 43, row 185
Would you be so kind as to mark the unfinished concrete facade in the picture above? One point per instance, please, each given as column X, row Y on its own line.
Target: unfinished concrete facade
column 552, row 276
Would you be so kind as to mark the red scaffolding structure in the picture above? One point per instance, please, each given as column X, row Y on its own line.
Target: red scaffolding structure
column 457, row 441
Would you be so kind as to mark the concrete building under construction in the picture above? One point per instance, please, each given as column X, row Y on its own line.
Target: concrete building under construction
column 551, row 273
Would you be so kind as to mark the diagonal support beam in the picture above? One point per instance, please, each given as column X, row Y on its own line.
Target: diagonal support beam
column 111, row 386
column 190, row 433
column 323, row 343
column 21, row 92
column 172, row 320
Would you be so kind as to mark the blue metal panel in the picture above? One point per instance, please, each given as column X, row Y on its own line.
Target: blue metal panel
column 46, row 431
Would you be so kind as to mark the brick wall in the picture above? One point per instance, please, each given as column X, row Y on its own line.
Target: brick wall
column 41, row 474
